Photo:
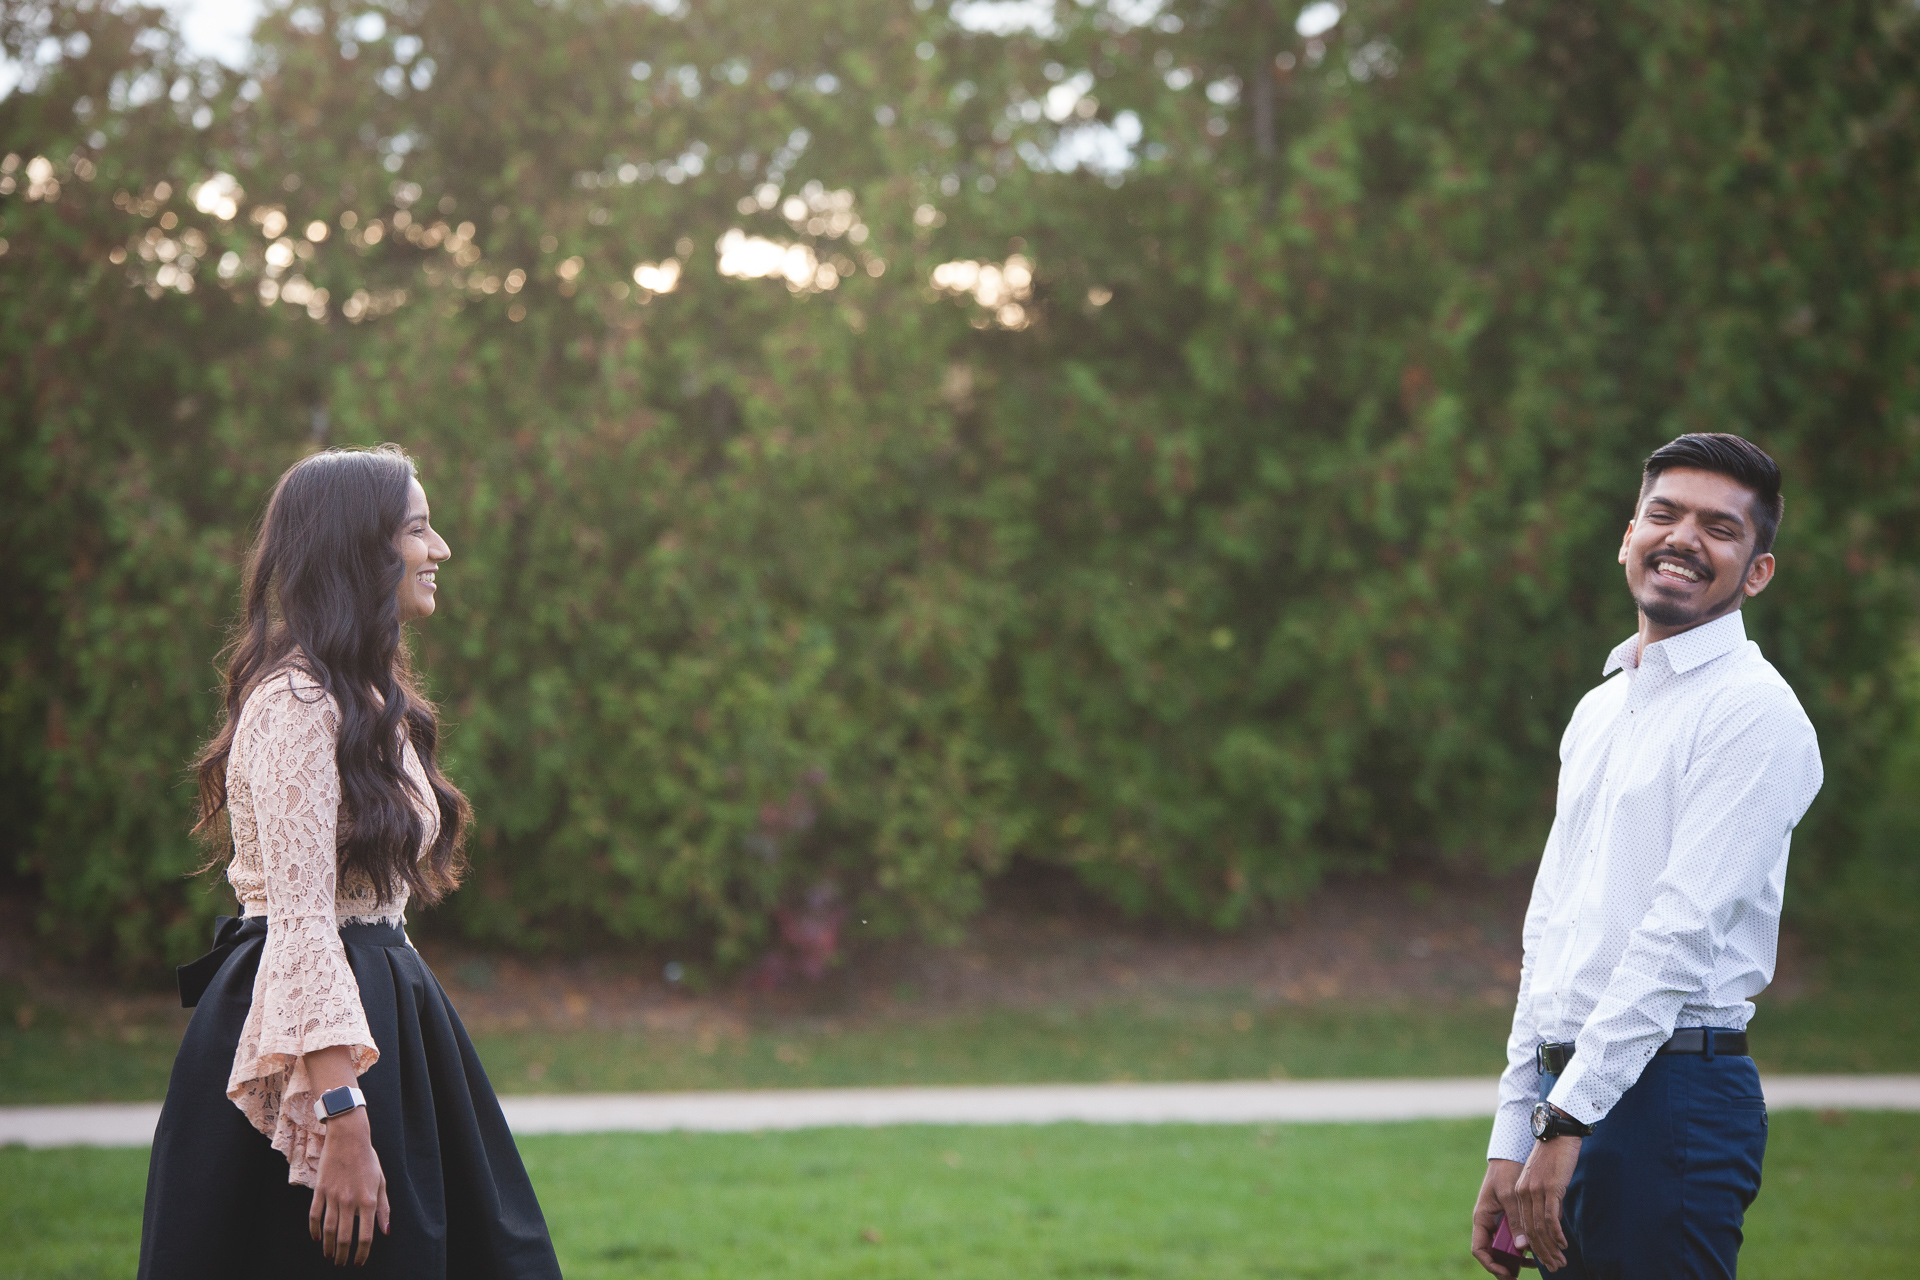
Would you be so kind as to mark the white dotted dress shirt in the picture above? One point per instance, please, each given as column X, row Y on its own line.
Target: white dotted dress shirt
column 1657, row 903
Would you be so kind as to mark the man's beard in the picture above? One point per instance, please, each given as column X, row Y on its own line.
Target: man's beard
column 1675, row 613
column 1664, row 614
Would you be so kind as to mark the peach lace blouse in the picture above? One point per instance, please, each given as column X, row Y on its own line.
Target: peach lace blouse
column 283, row 797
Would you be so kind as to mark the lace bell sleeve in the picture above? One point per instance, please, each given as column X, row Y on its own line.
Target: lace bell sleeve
column 304, row 995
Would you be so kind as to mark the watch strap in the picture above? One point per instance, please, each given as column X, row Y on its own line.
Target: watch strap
column 1561, row 1125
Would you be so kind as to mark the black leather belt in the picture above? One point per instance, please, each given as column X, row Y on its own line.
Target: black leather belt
column 1553, row 1057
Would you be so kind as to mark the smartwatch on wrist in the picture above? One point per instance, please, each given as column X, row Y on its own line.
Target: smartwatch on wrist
column 1551, row 1122
column 337, row 1102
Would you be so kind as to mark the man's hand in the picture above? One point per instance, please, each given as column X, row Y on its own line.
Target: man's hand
column 1536, row 1200
column 1496, row 1195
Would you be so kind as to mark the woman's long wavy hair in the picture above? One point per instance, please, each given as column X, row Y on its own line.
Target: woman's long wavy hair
column 322, row 594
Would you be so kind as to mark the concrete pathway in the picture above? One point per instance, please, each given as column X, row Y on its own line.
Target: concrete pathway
column 1252, row 1102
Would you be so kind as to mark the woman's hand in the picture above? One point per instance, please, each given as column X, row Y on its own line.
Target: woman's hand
column 351, row 1188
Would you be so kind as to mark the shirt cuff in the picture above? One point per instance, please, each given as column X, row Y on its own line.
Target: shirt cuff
column 1566, row 1094
column 1512, row 1133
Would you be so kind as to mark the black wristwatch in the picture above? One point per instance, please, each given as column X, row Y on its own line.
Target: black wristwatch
column 1551, row 1122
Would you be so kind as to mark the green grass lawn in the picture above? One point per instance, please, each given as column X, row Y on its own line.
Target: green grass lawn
column 1211, row 1037
column 1200, row 1041
column 1057, row 1201
column 73, row 1057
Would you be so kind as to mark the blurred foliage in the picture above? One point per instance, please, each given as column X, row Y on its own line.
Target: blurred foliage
column 1266, row 529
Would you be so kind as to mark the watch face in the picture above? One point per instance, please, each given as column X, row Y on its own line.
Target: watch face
column 1540, row 1120
column 338, row 1100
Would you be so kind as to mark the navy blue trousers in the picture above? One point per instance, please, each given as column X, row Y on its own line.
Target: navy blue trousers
column 1663, row 1185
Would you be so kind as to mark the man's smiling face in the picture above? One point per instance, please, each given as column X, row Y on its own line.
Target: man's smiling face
column 1689, row 551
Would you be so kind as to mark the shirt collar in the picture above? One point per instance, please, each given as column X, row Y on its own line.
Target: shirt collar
column 1685, row 651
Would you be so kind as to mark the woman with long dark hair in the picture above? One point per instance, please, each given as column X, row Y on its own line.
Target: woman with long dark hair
column 327, row 1106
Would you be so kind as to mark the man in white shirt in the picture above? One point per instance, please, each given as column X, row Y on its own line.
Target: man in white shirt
column 1631, row 1124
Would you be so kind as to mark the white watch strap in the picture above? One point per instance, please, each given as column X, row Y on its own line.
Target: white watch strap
column 320, row 1107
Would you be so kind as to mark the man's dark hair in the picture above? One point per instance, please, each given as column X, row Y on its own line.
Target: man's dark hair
column 1739, row 460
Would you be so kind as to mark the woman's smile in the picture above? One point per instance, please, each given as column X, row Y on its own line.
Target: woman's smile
column 422, row 551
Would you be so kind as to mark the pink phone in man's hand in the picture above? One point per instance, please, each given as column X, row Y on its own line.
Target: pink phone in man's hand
column 1503, row 1250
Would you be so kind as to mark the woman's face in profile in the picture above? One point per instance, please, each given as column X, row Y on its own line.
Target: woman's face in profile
column 423, row 550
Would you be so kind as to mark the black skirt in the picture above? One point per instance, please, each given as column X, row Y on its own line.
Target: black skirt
column 218, row 1200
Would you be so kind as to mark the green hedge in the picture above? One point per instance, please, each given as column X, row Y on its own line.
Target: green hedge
column 1273, row 535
